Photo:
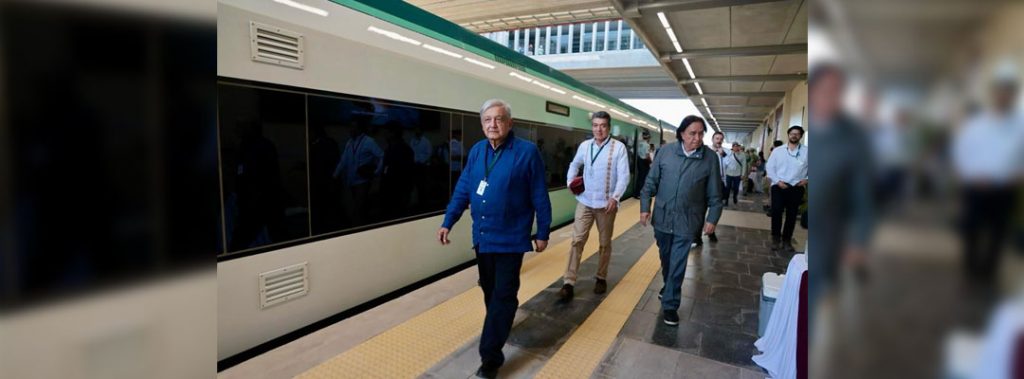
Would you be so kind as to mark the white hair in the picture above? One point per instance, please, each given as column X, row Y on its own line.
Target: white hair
column 496, row 103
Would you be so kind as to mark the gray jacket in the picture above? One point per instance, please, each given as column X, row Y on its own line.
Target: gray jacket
column 686, row 187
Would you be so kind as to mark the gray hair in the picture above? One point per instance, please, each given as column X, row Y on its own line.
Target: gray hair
column 496, row 103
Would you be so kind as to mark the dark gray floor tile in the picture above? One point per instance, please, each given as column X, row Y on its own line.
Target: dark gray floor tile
column 540, row 335
column 732, row 297
column 728, row 347
column 755, row 259
column 758, row 270
column 730, row 266
column 718, row 315
column 751, row 283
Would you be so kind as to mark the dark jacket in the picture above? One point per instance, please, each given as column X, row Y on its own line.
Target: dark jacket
column 516, row 190
column 684, row 187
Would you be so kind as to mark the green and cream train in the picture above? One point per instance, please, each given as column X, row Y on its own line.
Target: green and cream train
column 341, row 130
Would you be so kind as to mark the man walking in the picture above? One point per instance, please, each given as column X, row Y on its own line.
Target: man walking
column 503, row 181
column 685, row 179
column 605, row 166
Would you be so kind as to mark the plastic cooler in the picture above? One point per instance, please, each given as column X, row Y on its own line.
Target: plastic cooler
column 771, row 283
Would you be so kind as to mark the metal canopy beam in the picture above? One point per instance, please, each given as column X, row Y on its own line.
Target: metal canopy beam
column 741, row 94
column 747, row 78
column 745, row 51
column 635, row 9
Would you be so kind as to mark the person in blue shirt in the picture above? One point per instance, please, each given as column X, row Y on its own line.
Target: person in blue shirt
column 503, row 185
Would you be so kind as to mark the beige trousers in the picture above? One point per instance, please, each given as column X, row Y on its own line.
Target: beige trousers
column 585, row 217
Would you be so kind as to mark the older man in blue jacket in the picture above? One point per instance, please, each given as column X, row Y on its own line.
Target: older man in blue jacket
column 503, row 184
column 685, row 178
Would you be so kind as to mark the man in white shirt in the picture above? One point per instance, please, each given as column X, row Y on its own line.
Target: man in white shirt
column 605, row 165
column 787, row 171
column 988, row 155
column 733, row 169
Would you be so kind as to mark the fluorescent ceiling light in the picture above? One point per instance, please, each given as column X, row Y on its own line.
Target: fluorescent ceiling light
column 542, row 85
column 689, row 70
column 442, row 51
column 664, row 21
column 679, row 49
column 705, row 101
column 520, row 76
column 699, row 90
column 307, row 8
column 393, row 35
column 478, row 63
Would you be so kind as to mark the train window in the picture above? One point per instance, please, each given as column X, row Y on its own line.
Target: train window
column 373, row 162
column 263, row 158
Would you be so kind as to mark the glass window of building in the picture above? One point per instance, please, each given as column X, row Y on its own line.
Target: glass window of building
column 637, row 42
column 552, row 46
column 627, row 36
column 563, row 39
column 600, row 33
column 613, row 35
column 575, row 32
column 588, row 37
column 542, row 41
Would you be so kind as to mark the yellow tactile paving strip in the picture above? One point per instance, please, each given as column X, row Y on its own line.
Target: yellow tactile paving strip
column 409, row 349
column 581, row 354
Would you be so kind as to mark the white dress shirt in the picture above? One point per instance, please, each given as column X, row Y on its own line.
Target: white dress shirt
column 990, row 148
column 732, row 167
column 594, row 161
column 787, row 165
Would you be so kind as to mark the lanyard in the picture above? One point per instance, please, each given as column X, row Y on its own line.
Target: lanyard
column 797, row 151
column 593, row 157
column 489, row 167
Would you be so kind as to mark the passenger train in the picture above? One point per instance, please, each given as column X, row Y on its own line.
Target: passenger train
column 341, row 131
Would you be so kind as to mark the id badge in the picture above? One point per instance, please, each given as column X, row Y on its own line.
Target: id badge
column 481, row 188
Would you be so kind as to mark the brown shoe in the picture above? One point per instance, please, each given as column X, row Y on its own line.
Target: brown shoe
column 565, row 294
column 601, row 286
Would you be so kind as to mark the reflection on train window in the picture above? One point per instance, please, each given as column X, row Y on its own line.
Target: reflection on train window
column 557, row 149
column 263, row 157
column 372, row 162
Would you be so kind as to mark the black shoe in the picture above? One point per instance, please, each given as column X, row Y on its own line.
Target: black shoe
column 487, row 372
column 713, row 238
column 601, row 286
column 776, row 245
column 788, row 247
column 566, row 293
column 671, row 317
column 698, row 242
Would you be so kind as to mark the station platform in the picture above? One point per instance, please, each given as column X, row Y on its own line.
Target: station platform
column 433, row 332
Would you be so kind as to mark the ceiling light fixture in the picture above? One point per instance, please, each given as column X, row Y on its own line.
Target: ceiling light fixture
column 300, row 6
column 689, row 70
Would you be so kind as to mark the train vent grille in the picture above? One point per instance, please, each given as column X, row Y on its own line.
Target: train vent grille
column 274, row 45
column 284, row 284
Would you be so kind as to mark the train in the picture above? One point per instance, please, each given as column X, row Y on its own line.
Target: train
column 341, row 127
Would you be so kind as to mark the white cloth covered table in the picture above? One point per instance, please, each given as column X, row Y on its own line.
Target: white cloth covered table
column 778, row 346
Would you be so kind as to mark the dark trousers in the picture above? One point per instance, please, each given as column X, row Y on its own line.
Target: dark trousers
column 984, row 226
column 732, row 185
column 642, row 169
column 499, row 279
column 673, row 251
column 785, row 200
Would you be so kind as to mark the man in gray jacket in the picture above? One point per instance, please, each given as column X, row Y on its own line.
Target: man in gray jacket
column 685, row 177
